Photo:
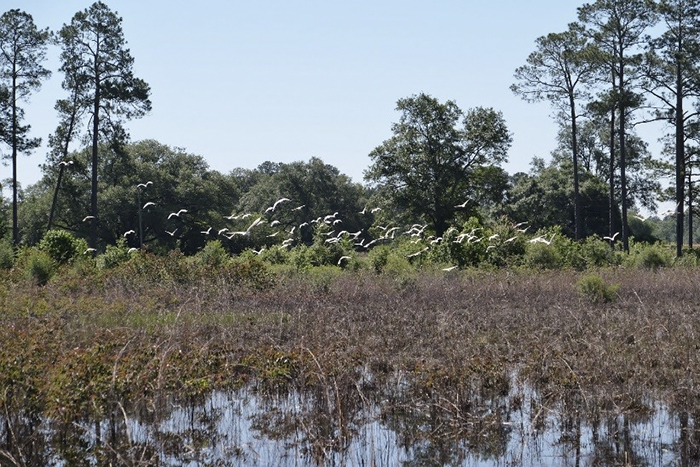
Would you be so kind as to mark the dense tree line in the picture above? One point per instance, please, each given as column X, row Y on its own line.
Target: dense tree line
column 604, row 75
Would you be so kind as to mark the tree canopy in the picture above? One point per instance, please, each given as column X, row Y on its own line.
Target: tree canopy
column 428, row 166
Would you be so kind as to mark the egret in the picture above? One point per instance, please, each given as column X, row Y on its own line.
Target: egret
column 493, row 237
column 172, row 234
column 177, row 214
column 206, row 232
column 299, row 208
column 257, row 252
column 257, row 221
column 274, row 205
column 371, row 243
column 364, row 210
column 451, row 268
column 150, row 203
column 612, row 239
column 129, row 232
column 418, row 252
column 541, row 239
column 87, row 218
column 337, row 221
column 131, row 250
column 343, row 258
column 274, row 223
column 511, row 239
column 144, row 185
column 463, row 205
column 65, row 163
column 89, row 250
column 221, row 231
column 373, row 210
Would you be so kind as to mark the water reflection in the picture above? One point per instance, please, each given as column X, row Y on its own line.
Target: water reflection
column 334, row 425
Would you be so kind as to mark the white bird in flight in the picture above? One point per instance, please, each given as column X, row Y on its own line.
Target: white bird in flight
column 172, row 234
column 177, row 214
column 144, row 185
column 274, row 206
column 206, row 232
column 150, row 203
column 612, row 239
column 87, row 218
column 451, row 268
column 129, row 232
column 342, row 258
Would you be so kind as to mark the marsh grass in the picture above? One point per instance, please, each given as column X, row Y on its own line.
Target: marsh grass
column 442, row 348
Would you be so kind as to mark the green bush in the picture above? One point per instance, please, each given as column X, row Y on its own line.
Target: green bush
column 653, row 257
column 213, row 255
column 114, row 255
column 250, row 272
column 7, row 254
column 594, row 288
column 541, row 256
column 62, row 246
column 39, row 266
column 378, row 257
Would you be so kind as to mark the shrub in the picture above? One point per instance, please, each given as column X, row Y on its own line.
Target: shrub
column 39, row 266
column 653, row 257
column 213, row 255
column 7, row 254
column 62, row 246
column 114, row 255
column 378, row 258
column 597, row 253
column 251, row 272
column 594, row 288
column 541, row 256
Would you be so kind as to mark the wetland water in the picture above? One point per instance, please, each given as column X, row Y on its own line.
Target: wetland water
column 249, row 427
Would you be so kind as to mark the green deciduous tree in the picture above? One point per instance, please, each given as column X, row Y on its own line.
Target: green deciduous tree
column 97, row 63
column 22, row 50
column 427, row 167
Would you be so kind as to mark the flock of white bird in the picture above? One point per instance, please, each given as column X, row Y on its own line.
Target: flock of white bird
column 389, row 232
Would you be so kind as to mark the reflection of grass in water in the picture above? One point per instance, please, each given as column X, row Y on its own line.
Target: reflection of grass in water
column 434, row 355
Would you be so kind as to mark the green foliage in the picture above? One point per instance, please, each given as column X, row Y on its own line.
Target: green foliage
column 114, row 255
column 62, row 246
column 213, row 255
column 541, row 256
column 428, row 166
column 38, row 266
column 7, row 254
column 379, row 257
column 250, row 272
column 592, row 287
column 651, row 256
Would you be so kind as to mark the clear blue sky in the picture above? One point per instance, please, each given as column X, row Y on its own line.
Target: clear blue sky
column 242, row 82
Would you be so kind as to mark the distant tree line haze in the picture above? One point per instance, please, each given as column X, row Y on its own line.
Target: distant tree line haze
column 619, row 65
